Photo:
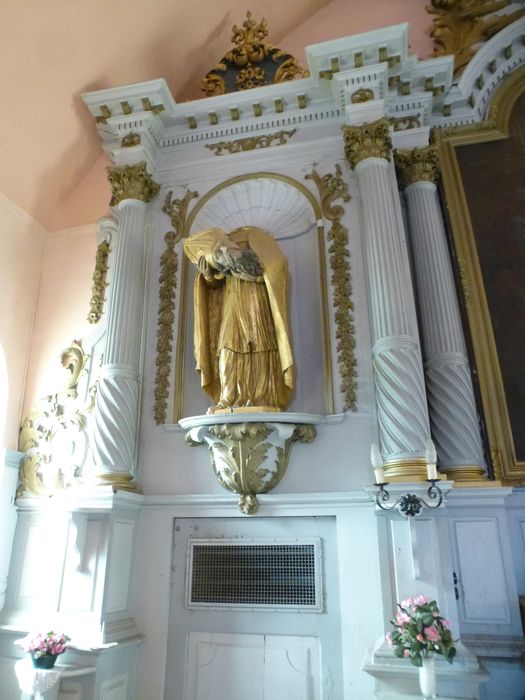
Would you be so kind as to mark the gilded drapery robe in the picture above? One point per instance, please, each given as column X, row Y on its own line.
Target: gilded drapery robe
column 241, row 337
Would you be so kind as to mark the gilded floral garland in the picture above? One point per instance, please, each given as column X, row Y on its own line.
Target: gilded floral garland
column 96, row 303
column 332, row 187
column 177, row 210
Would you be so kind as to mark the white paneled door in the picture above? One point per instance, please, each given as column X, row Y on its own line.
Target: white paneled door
column 252, row 626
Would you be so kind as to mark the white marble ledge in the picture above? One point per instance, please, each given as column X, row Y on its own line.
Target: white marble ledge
column 82, row 498
column 496, row 647
column 250, row 417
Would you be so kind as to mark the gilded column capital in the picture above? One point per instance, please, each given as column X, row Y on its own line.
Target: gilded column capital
column 367, row 141
column 131, row 182
column 418, row 164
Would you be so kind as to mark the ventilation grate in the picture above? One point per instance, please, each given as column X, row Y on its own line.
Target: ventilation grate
column 277, row 575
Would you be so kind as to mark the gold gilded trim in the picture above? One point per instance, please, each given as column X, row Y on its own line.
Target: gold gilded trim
column 252, row 62
column 96, row 303
column 59, row 417
column 362, row 95
column 461, row 26
column 500, row 438
column 131, row 182
column 410, row 121
column 418, row 164
column 177, row 210
column 401, row 470
column 251, row 143
column 367, row 141
column 178, row 403
column 332, row 187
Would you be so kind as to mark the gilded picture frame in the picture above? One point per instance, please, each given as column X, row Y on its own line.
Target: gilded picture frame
column 502, row 411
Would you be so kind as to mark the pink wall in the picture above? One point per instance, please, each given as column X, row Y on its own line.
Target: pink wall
column 22, row 243
column 63, row 305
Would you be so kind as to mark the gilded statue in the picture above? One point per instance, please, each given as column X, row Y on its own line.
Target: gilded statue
column 241, row 337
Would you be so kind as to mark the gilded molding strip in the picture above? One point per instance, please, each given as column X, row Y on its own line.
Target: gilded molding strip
column 96, row 304
column 332, row 187
column 251, row 143
column 460, row 26
column 177, row 210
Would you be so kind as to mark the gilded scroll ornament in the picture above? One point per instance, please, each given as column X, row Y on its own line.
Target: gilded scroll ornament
column 96, row 304
column 177, row 210
column 362, row 95
column 367, row 141
column 131, row 182
column 410, row 121
column 53, row 437
column 418, row 164
column 253, row 62
column 251, row 143
column 250, row 458
column 332, row 187
column 460, row 26
column 130, row 140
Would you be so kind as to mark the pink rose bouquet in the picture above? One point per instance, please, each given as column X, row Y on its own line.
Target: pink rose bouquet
column 45, row 644
column 419, row 630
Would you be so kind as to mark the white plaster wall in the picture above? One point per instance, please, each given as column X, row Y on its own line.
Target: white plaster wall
column 22, row 243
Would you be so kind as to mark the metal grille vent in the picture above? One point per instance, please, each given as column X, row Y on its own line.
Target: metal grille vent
column 233, row 574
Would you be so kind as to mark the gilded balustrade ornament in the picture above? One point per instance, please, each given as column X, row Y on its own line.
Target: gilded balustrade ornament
column 54, row 437
column 251, row 143
column 96, row 303
column 367, row 141
column 250, row 458
column 131, row 182
column 418, row 164
column 253, row 62
column 460, row 26
column 177, row 210
column 332, row 187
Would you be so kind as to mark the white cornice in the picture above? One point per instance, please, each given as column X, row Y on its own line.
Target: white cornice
column 374, row 66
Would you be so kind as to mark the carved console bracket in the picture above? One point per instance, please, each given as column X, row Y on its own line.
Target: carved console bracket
column 250, row 453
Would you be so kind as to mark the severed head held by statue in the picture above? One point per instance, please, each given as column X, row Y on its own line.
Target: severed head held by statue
column 241, row 337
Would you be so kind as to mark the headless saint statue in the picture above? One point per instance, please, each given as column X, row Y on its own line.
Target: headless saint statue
column 241, row 336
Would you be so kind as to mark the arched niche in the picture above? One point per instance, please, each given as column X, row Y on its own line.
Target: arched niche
column 288, row 211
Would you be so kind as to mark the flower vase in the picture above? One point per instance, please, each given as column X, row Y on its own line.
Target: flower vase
column 46, row 661
column 427, row 678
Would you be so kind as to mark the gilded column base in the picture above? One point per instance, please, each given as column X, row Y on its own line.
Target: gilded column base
column 119, row 481
column 469, row 474
column 400, row 470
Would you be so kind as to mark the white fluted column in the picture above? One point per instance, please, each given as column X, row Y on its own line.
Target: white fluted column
column 453, row 413
column 398, row 371
column 117, row 397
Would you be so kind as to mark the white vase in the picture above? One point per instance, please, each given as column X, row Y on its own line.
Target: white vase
column 427, row 678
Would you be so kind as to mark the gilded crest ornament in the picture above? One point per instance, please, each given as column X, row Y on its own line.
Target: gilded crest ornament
column 460, row 26
column 253, row 62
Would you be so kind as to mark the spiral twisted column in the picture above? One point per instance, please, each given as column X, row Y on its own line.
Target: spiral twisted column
column 117, row 397
column 398, row 370
column 452, row 406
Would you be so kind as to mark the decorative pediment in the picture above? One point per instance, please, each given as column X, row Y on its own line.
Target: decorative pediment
column 253, row 62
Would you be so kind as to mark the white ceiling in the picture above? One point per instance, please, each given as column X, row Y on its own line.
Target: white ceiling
column 54, row 50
